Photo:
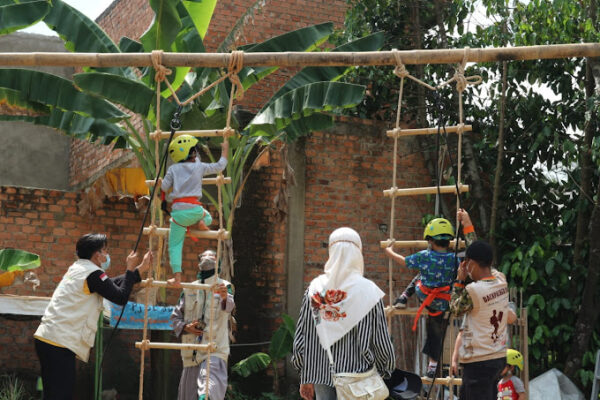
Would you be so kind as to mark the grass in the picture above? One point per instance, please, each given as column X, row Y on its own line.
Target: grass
column 11, row 388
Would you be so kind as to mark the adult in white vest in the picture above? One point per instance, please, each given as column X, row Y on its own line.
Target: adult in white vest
column 190, row 320
column 68, row 327
column 484, row 304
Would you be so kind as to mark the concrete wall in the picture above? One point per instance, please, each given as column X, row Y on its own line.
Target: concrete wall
column 32, row 155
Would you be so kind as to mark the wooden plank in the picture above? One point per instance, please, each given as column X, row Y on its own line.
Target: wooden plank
column 415, row 244
column 184, row 285
column 177, row 346
column 427, row 131
column 197, row 133
column 193, row 233
column 303, row 59
column 447, row 381
column 205, row 181
column 424, row 190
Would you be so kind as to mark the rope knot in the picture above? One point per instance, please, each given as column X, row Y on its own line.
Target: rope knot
column 221, row 234
column 161, row 70
column 400, row 71
column 220, row 179
column 145, row 345
column 152, row 229
column 236, row 62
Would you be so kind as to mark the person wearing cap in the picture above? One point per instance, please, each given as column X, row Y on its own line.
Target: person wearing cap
column 342, row 313
column 482, row 342
column 510, row 386
column 436, row 266
column 184, row 177
column 191, row 323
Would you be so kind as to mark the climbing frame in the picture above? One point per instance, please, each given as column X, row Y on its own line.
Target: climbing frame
column 394, row 191
column 156, row 228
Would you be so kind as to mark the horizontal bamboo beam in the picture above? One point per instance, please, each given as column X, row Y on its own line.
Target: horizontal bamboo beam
column 302, row 59
column 390, row 310
column 184, row 285
column 205, row 181
column 424, row 190
column 428, row 131
column 176, row 346
column 415, row 244
column 197, row 133
column 447, row 381
column 193, row 233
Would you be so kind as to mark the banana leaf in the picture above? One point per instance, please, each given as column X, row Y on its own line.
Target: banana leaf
column 15, row 16
column 58, row 92
column 18, row 260
column 15, row 103
column 132, row 94
column 81, row 34
column 254, row 363
column 302, row 102
column 281, row 343
column 309, row 75
column 128, row 45
column 201, row 12
column 165, row 26
column 303, row 39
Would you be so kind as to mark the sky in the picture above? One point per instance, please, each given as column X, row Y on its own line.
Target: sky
column 91, row 8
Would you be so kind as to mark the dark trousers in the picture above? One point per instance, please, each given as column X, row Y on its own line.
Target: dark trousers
column 435, row 331
column 480, row 379
column 58, row 370
column 412, row 286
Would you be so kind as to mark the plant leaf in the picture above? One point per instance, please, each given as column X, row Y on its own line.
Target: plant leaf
column 201, row 12
column 58, row 92
column 304, row 101
column 18, row 260
column 303, row 39
column 15, row 16
column 129, row 93
column 281, row 343
column 255, row 363
column 165, row 26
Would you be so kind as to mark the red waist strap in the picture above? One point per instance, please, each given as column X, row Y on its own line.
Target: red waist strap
column 190, row 200
column 432, row 294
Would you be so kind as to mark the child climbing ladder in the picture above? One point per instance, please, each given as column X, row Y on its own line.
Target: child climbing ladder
column 185, row 178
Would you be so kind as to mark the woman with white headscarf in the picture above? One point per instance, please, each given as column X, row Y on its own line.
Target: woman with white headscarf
column 341, row 311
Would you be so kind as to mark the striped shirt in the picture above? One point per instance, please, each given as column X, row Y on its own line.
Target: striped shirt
column 366, row 344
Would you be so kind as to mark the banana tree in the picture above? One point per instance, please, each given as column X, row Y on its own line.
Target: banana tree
column 105, row 105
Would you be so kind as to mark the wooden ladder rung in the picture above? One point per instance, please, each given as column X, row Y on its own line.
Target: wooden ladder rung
column 176, row 346
column 199, row 133
column 447, row 381
column 205, row 181
column 184, row 285
column 427, row 131
column 415, row 244
column 390, row 310
column 193, row 233
column 424, row 190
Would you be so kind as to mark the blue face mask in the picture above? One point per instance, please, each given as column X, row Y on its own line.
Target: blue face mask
column 106, row 263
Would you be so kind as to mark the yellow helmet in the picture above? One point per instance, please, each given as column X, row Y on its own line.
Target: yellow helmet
column 439, row 228
column 179, row 148
column 513, row 357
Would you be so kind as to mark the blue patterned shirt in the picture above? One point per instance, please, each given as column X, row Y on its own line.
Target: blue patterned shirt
column 437, row 269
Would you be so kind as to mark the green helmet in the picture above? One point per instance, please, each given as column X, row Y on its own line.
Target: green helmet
column 439, row 229
column 514, row 357
column 179, row 148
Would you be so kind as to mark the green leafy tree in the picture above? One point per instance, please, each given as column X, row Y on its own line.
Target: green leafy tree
column 281, row 345
column 117, row 106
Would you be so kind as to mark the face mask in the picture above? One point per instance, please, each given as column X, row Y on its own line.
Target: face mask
column 106, row 263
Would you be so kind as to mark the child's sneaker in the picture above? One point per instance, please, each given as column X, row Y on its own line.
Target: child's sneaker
column 401, row 301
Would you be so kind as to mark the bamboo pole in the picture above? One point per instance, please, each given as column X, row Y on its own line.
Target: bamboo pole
column 300, row 59
column 448, row 381
column 427, row 131
column 184, row 285
column 205, row 181
column 192, row 233
column 197, row 133
column 176, row 346
column 424, row 190
column 414, row 244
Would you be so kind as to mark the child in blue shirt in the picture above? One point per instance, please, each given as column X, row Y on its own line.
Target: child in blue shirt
column 436, row 268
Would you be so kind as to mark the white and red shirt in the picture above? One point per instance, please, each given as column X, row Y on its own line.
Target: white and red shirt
column 509, row 389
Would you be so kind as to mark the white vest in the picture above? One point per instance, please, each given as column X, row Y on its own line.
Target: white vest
column 71, row 318
column 484, row 333
column 197, row 307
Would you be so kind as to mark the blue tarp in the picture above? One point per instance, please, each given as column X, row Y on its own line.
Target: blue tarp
column 133, row 316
